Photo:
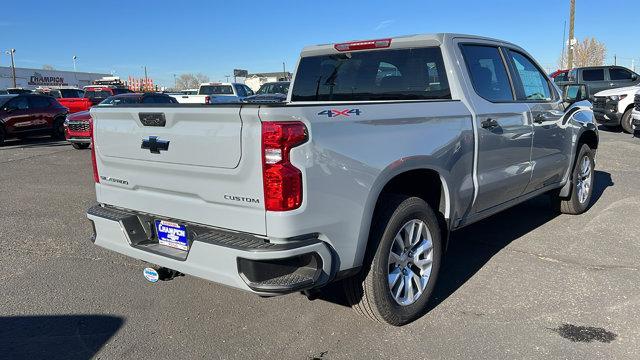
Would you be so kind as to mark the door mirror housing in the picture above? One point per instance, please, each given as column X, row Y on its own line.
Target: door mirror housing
column 574, row 93
column 634, row 77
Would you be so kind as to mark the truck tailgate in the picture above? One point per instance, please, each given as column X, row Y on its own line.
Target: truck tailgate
column 202, row 166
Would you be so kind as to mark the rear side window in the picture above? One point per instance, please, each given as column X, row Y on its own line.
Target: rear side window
column 620, row 74
column 39, row 102
column 240, row 91
column 488, row 72
column 532, row 84
column 71, row 93
column 19, row 103
column 407, row 74
column 593, row 75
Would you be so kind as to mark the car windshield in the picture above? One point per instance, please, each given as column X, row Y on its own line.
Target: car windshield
column 216, row 90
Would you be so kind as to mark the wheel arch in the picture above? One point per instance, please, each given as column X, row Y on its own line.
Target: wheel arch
column 413, row 178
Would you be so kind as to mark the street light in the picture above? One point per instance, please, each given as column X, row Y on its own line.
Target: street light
column 74, row 63
column 13, row 65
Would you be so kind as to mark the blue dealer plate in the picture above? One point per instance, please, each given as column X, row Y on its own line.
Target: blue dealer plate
column 172, row 235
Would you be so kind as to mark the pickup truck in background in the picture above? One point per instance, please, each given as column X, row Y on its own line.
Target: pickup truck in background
column 97, row 93
column 71, row 98
column 600, row 78
column 382, row 149
column 210, row 93
column 613, row 108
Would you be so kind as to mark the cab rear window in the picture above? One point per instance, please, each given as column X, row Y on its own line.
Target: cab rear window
column 406, row 74
column 216, row 90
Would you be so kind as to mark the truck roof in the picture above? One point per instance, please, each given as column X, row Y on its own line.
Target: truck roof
column 400, row 42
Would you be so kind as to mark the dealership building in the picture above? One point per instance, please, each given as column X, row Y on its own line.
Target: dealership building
column 33, row 78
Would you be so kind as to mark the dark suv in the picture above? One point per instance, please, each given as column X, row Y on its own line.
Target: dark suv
column 598, row 78
column 30, row 114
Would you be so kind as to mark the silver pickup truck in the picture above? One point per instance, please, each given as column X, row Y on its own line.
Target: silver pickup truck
column 382, row 148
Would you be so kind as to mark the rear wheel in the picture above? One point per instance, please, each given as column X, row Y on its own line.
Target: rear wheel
column 2, row 136
column 400, row 269
column 625, row 122
column 582, row 181
column 80, row 146
column 58, row 129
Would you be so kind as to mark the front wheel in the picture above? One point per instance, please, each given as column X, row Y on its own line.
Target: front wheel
column 401, row 266
column 625, row 122
column 58, row 129
column 582, row 181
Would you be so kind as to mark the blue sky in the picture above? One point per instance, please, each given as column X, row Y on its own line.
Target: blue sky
column 214, row 37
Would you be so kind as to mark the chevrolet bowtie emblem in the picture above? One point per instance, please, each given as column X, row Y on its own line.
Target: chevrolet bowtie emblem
column 154, row 144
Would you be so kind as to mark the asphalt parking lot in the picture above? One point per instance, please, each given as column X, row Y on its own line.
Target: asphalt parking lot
column 527, row 283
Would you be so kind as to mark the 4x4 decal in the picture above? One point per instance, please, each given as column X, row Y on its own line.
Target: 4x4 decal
column 336, row 112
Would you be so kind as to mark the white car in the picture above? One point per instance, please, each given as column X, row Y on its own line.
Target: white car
column 614, row 107
column 215, row 92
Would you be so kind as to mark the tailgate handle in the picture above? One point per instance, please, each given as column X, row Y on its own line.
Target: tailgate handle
column 152, row 119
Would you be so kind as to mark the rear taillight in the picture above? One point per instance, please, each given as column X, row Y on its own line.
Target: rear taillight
column 96, row 178
column 363, row 45
column 281, row 180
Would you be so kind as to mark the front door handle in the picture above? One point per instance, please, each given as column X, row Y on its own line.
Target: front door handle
column 489, row 124
column 612, row 84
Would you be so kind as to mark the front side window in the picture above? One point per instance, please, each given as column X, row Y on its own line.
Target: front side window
column 240, row 91
column 593, row 75
column 39, row 102
column 533, row 84
column 248, row 90
column 488, row 72
column 403, row 74
column 620, row 74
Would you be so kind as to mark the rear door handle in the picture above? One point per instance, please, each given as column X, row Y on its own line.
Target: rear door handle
column 489, row 124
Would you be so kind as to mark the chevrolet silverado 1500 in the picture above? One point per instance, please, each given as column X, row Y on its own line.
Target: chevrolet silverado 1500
column 382, row 148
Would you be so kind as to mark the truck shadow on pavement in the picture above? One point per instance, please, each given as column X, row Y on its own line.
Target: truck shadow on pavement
column 71, row 337
column 473, row 246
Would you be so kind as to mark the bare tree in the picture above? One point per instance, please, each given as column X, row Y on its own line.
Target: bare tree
column 190, row 81
column 47, row 67
column 589, row 52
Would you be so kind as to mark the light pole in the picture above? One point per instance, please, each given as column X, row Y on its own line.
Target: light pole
column 13, row 66
column 74, row 62
column 572, row 41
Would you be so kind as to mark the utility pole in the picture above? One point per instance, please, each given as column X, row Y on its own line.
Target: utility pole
column 563, row 56
column 615, row 59
column 572, row 41
column 13, row 66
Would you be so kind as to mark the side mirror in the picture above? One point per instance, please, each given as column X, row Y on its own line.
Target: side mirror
column 574, row 93
column 634, row 77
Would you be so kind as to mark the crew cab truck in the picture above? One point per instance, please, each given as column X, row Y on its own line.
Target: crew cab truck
column 359, row 176
column 614, row 108
column 215, row 92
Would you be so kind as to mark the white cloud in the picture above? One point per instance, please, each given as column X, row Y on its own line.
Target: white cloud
column 384, row 24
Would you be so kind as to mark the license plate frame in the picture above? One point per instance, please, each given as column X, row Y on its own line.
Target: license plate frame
column 171, row 234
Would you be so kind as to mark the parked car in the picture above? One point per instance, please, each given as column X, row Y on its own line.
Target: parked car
column 210, row 93
column 270, row 92
column 30, row 114
column 77, row 126
column 18, row 91
column 97, row 93
column 599, row 78
column 360, row 176
column 560, row 76
column 614, row 107
column 69, row 97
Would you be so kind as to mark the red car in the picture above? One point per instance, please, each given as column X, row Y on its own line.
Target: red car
column 78, row 126
column 97, row 93
column 30, row 114
column 559, row 75
column 71, row 98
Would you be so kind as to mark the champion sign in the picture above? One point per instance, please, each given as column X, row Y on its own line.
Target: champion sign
column 38, row 79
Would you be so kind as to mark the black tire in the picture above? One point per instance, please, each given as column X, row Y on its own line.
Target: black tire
column 625, row 122
column 80, row 146
column 58, row 129
column 369, row 292
column 573, row 204
column 2, row 136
